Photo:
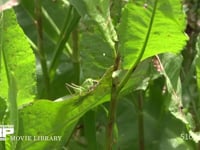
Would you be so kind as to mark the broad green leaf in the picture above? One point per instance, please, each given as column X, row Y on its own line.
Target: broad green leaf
column 152, row 27
column 98, row 11
column 170, row 68
column 3, row 108
column 171, row 71
column 58, row 115
column 94, row 49
column 18, row 58
column 54, row 29
column 162, row 130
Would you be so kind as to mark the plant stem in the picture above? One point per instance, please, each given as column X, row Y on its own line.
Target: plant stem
column 40, row 50
column 13, row 108
column 70, row 23
column 113, row 107
column 116, row 88
column 89, row 120
column 140, row 121
column 76, row 56
column 1, row 38
column 12, row 98
column 64, row 35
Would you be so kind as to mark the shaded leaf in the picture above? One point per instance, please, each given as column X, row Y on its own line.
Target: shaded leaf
column 139, row 80
column 98, row 11
column 96, row 54
column 162, row 130
column 171, row 71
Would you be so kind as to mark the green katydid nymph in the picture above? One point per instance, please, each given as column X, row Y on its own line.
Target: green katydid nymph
column 87, row 86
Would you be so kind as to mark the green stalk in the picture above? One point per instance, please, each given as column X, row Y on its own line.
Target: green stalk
column 140, row 121
column 70, row 23
column 62, row 39
column 12, row 106
column 113, row 108
column 89, row 120
column 76, row 56
column 12, row 99
column 50, row 23
column 116, row 88
column 40, row 50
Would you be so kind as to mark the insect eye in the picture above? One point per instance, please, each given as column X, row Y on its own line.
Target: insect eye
column 95, row 82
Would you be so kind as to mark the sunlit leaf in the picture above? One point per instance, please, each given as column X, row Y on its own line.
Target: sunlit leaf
column 154, row 26
column 19, row 59
column 2, row 109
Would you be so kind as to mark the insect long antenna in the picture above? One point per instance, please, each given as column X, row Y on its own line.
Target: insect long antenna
column 76, row 88
column 68, row 89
